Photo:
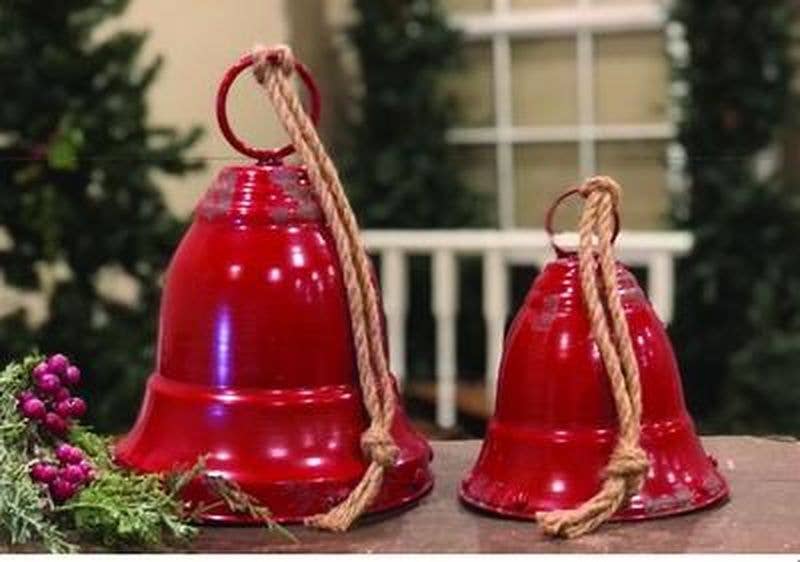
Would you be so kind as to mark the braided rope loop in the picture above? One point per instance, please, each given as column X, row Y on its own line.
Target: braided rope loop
column 628, row 465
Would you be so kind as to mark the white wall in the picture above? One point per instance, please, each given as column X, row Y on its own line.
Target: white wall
column 199, row 39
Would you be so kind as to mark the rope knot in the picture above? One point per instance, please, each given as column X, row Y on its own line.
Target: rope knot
column 379, row 446
column 601, row 184
column 278, row 56
column 630, row 464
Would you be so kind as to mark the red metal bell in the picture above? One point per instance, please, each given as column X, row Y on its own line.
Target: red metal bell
column 555, row 424
column 255, row 360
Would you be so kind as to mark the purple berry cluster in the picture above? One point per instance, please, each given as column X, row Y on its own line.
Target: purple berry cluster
column 50, row 403
column 66, row 478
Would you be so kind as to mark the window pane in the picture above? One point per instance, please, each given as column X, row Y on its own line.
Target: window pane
column 544, row 82
column 640, row 167
column 630, row 78
column 478, row 170
column 471, row 87
column 541, row 173
column 467, row 6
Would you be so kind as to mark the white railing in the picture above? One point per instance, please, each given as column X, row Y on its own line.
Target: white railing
column 655, row 251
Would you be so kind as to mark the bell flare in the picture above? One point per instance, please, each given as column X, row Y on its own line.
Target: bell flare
column 555, row 425
column 297, row 451
column 522, row 471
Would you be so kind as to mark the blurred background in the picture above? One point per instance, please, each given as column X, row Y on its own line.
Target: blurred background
column 455, row 124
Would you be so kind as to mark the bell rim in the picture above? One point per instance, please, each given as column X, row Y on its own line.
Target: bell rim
column 627, row 513
column 386, row 509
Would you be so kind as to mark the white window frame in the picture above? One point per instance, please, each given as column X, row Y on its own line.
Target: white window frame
column 583, row 21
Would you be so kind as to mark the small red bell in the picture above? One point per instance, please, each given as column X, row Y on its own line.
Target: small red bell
column 548, row 445
column 256, row 365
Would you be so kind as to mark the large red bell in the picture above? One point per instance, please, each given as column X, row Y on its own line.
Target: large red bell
column 555, row 425
column 255, row 364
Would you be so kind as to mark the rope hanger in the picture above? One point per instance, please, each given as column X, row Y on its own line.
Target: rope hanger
column 627, row 467
column 273, row 68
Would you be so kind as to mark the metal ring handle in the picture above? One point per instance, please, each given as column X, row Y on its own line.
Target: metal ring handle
column 548, row 222
column 261, row 154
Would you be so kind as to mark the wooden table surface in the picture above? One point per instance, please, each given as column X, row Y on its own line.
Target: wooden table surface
column 762, row 516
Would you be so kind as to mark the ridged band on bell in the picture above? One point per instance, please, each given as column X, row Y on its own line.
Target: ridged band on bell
column 556, row 440
column 261, row 353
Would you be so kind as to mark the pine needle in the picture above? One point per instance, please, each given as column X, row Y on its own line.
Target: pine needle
column 121, row 508
column 239, row 501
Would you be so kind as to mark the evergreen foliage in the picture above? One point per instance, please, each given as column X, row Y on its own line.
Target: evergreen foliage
column 77, row 158
column 737, row 325
column 114, row 507
column 401, row 172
